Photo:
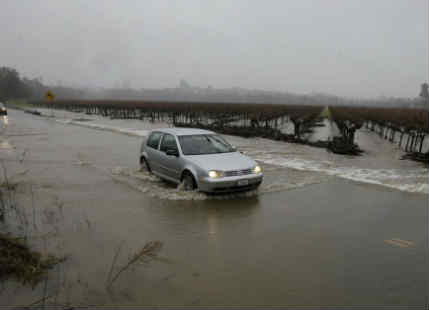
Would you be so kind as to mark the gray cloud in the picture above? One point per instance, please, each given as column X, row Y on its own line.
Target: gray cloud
column 359, row 48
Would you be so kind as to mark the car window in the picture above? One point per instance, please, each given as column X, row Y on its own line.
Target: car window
column 204, row 144
column 168, row 143
column 153, row 140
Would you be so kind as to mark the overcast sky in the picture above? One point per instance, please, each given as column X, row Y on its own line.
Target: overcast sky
column 357, row 48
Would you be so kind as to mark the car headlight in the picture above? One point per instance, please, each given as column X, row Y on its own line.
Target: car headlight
column 257, row 169
column 215, row 174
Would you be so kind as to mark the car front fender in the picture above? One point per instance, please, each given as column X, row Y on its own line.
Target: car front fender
column 197, row 174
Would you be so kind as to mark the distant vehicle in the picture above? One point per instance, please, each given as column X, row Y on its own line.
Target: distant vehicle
column 3, row 110
column 201, row 159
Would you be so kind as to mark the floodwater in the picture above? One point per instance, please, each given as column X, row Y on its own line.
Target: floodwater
column 323, row 229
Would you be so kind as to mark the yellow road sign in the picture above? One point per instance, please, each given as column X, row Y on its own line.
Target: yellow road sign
column 49, row 95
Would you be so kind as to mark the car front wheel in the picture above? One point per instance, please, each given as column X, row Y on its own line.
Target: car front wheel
column 188, row 182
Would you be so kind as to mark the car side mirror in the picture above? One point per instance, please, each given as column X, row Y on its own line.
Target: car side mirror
column 172, row 152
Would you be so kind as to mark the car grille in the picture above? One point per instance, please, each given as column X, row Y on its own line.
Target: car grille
column 234, row 173
column 237, row 188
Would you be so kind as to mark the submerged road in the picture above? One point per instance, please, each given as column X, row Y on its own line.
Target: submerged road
column 329, row 241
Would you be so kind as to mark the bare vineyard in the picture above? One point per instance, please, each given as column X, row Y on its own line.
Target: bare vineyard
column 248, row 120
column 406, row 127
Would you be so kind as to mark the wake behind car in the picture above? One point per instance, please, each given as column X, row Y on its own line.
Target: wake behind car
column 200, row 159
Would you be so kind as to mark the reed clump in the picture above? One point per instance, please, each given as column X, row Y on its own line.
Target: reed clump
column 18, row 261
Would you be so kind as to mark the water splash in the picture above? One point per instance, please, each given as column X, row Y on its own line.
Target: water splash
column 153, row 186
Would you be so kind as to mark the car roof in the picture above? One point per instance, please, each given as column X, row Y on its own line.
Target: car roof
column 178, row 131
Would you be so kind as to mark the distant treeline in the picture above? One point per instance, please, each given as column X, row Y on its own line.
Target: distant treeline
column 13, row 86
column 238, row 95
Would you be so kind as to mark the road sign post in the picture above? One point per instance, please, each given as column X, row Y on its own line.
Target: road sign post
column 50, row 96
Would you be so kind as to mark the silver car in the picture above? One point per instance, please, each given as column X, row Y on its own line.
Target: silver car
column 200, row 159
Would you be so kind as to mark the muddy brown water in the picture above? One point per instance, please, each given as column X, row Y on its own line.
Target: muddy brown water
column 305, row 238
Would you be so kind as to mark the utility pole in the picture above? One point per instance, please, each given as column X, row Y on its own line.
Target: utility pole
column 424, row 94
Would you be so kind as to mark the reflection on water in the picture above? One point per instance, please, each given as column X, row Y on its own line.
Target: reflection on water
column 5, row 145
column 212, row 224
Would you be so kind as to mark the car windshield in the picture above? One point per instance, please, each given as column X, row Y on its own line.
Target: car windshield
column 204, row 144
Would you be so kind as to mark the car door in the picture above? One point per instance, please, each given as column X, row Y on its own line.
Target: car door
column 153, row 153
column 169, row 164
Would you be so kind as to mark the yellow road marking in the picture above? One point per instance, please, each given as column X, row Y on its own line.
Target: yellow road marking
column 409, row 243
column 399, row 242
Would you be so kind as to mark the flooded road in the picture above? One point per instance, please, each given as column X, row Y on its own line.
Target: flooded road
column 323, row 229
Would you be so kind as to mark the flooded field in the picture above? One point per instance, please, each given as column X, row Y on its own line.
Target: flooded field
column 323, row 229
column 380, row 165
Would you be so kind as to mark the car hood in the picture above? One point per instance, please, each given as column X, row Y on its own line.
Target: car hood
column 223, row 161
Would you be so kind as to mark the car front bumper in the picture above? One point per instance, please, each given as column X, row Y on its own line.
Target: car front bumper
column 230, row 184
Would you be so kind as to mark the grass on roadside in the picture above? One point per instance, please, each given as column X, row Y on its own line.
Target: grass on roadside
column 19, row 262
